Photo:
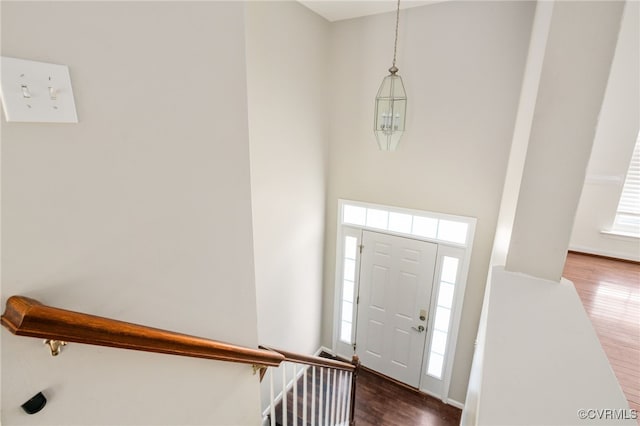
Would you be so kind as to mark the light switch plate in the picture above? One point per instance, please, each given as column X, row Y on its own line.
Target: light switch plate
column 36, row 92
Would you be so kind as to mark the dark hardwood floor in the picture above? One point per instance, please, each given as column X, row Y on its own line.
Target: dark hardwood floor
column 610, row 292
column 381, row 402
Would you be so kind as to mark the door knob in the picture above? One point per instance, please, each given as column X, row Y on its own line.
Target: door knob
column 419, row 329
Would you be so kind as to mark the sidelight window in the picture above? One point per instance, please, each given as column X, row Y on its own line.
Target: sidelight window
column 444, row 304
column 348, row 288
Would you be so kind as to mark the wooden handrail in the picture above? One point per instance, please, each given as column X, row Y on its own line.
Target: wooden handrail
column 27, row 317
column 312, row 360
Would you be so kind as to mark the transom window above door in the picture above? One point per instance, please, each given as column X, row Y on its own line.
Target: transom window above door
column 425, row 226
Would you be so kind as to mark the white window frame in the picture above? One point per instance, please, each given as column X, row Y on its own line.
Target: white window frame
column 446, row 248
column 339, row 346
column 628, row 206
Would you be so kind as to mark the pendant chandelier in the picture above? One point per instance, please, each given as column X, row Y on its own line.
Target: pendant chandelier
column 391, row 104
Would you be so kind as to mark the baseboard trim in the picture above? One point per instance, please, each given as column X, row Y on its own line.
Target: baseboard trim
column 455, row 403
column 603, row 254
column 325, row 349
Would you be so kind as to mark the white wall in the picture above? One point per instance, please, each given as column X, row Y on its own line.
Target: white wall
column 462, row 64
column 140, row 212
column 287, row 58
column 521, row 132
column 612, row 147
column 582, row 36
column 288, row 142
column 542, row 361
column 508, row 204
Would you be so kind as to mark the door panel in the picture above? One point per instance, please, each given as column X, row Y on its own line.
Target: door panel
column 396, row 278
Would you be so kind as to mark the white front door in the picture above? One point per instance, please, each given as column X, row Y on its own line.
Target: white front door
column 396, row 278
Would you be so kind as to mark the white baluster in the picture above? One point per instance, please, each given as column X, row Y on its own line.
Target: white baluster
column 344, row 395
column 294, row 420
column 284, row 394
column 313, row 395
column 320, row 400
column 304, row 398
column 349, row 402
column 343, row 417
column 333, row 398
column 272, row 405
column 339, row 398
column 327, row 399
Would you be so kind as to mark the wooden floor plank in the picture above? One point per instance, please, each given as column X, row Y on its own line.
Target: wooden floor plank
column 380, row 402
column 610, row 292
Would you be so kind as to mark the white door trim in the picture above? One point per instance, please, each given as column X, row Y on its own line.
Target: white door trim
column 446, row 233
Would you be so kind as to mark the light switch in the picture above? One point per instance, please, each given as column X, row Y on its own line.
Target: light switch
column 36, row 92
column 25, row 91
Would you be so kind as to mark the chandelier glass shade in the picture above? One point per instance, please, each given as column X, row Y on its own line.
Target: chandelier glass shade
column 390, row 112
column 391, row 104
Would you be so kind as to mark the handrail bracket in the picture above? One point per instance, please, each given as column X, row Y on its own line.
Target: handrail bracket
column 55, row 346
column 259, row 368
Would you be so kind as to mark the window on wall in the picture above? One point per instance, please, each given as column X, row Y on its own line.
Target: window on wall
column 444, row 305
column 627, row 221
column 348, row 288
column 433, row 228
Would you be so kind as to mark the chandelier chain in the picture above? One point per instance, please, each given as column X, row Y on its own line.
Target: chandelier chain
column 395, row 44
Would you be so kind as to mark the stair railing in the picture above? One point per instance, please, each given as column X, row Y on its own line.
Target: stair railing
column 327, row 397
column 332, row 398
column 28, row 317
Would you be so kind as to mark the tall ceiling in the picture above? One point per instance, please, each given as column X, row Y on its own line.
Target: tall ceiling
column 336, row 10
